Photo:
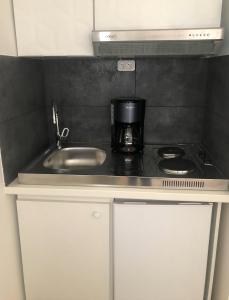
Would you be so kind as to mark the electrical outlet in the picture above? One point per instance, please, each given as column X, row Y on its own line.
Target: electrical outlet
column 125, row 65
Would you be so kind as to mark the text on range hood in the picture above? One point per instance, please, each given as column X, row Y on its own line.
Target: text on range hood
column 157, row 42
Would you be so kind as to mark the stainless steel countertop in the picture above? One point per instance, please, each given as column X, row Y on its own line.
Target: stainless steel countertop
column 121, row 170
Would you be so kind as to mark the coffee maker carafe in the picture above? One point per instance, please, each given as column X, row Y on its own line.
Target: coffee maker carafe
column 127, row 124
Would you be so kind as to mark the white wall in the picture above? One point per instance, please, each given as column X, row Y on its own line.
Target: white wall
column 225, row 24
column 221, row 282
column 7, row 32
column 11, row 284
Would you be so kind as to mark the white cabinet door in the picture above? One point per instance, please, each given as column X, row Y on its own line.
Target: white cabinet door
column 161, row 251
column 155, row 14
column 65, row 250
column 54, row 27
column 7, row 32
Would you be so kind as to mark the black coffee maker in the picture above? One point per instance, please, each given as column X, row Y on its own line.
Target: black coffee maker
column 127, row 124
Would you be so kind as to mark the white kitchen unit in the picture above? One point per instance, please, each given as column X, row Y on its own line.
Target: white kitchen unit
column 54, row 27
column 67, row 236
column 65, row 250
column 160, row 250
column 7, row 31
column 154, row 14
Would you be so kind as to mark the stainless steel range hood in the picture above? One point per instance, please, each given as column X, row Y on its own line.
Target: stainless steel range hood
column 130, row 43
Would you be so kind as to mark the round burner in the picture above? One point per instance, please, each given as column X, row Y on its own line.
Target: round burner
column 171, row 152
column 177, row 166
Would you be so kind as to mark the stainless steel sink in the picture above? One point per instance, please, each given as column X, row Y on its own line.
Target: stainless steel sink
column 73, row 158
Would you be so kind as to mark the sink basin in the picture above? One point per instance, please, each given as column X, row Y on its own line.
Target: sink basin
column 74, row 158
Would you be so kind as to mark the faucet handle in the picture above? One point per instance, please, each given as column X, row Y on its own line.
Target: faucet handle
column 65, row 133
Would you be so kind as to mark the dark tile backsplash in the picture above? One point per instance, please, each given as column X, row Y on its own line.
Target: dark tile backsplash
column 23, row 139
column 82, row 89
column 185, row 96
column 172, row 81
column 216, row 133
column 87, row 124
column 173, row 125
column 173, row 87
column 86, row 82
column 20, row 87
column 23, row 126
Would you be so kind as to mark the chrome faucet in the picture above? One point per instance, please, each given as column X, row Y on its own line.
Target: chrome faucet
column 65, row 132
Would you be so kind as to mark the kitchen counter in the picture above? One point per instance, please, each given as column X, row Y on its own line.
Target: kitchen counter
column 127, row 170
column 107, row 194
column 128, row 175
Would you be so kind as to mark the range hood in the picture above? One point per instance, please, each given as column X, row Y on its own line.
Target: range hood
column 130, row 43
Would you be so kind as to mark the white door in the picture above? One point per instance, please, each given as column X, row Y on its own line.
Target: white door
column 155, row 14
column 7, row 31
column 65, row 250
column 160, row 251
column 54, row 27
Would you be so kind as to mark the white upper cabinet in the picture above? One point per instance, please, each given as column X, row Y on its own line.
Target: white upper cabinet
column 54, row 27
column 7, row 32
column 156, row 14
column 57, row 27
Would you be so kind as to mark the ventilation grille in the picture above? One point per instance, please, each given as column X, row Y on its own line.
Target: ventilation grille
column 154, row 48
column 194, row 184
